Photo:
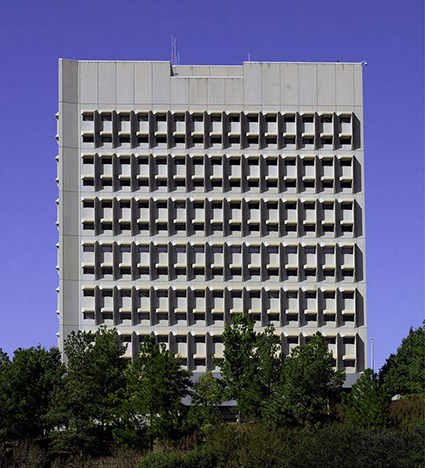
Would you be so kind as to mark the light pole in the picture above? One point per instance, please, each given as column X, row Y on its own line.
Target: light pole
column 371, row 353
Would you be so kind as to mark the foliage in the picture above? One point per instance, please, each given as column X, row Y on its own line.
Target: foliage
column 404, row 372
column 336, row 445
column 251, row 365
column 204, row 457
column 26, row 384
column 156, row 385
column 366, row 404
column 86, row 404
column 206, row 399
column 309, row 384
column 405, row 412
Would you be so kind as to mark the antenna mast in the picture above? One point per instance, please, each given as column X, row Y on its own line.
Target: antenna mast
column 175, row 59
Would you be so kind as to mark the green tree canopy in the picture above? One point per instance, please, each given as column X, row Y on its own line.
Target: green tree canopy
column 26, row 384
column 367, row 403
column 404, row 372
column 309, row 384
column 86, row 404
column 251, row 366
column 156, row 386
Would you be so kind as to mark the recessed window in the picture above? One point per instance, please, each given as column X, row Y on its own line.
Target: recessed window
column 345, row 141
column 88, row 138
column 289, row 118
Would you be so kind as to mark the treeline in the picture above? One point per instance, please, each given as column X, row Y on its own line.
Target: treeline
column 291, row 412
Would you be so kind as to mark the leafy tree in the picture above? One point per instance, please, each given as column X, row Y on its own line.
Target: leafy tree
column 26, row 385
column 367, row 403
column 156, row 386
column 86, row 404
column 309, row 384
column 4, row 395
column 404, row 372
column 251, row 366
column 206, row 399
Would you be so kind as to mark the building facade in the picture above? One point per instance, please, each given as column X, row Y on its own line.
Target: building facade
column 189, row 194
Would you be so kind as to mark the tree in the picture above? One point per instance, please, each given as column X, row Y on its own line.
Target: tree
column 309, row 384
column 206, row 399
column 156, row 386
column 4, row 395
column 367, row 403
column 404, row 372
column 251, row 366
column 26, row 385
column 86, row 404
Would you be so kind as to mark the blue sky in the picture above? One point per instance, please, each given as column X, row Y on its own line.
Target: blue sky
column 388, row 34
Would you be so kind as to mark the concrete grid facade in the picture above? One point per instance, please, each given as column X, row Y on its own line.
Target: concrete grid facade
column 189, row 194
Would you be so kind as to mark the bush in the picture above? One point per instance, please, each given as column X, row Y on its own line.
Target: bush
column 403, row 413
column 162, row 460
column 204, row 457
column 336, row 446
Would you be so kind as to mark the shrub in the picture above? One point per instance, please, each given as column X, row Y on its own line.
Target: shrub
column 162, row 460
column 203, row 457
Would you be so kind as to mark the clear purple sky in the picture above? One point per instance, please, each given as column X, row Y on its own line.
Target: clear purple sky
column 388, row 34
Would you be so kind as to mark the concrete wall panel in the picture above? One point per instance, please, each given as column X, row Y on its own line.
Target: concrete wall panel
column 234, row 92
column 308, row 85
column 271, row 84
column 289, row 87
column 161, row 83
column 88, row 82
column 107, row 83
column 216, row 91
column 180, row 91
column 143, row 84
column 252, row 84
column 326, row 83
column 197, row 92
column 68, row 77
column 125, row 78
column 345, row 85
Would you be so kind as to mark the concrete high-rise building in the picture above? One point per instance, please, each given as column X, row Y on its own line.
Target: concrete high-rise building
column 189, row 194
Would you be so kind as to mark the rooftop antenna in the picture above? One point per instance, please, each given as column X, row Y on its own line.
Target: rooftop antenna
column 249, row 57
column 173, row 51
